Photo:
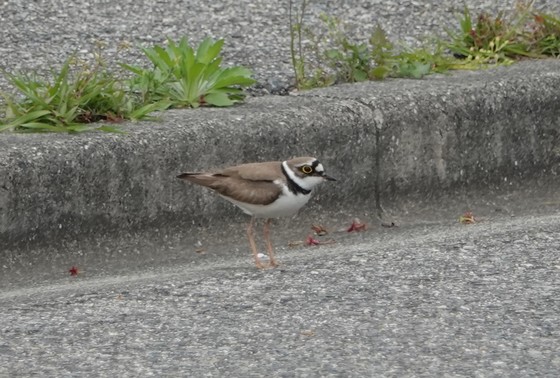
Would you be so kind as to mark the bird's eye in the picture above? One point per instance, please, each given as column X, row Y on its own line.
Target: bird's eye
column 306, row 169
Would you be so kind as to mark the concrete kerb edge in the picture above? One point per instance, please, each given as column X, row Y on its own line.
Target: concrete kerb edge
column 59, row 186
column 472, row 129
column 124, row 182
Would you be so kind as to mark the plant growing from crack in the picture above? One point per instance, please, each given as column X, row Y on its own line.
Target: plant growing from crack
column 85, row 96
column 188, row 77
column 332, row 56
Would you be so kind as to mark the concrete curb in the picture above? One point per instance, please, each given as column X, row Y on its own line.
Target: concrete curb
column 381, row 138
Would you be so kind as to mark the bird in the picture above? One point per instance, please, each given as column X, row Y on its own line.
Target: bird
column 266, row 190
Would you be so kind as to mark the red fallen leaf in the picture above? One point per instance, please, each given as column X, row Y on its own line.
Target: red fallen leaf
column 319, row 229
column 74, row 270
column 467, row 218
column 311, row 241
column 357, row 225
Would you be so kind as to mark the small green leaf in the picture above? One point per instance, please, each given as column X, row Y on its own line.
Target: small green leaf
column 380, row 72
column 208, row 50
column 5, row 127
column 359, row 75
column 379, row 38
column 154, row 56
column 79, row 128
column 149, row 108
column 218, row 99
column 333, row 54
column 38, row 126
column 234, row 76
column 29, row 117
column 134, row 69
column 416, row 70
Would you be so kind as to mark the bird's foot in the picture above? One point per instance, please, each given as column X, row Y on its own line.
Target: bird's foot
column 265, row 265
column 273, row 264
column 259, row 264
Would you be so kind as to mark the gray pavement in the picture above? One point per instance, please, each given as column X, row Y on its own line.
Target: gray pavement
column 429, row 298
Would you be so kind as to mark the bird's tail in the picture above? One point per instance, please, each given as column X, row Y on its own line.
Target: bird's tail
column 185, row 175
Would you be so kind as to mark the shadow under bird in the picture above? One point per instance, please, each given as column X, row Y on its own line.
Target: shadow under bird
column 265, row 190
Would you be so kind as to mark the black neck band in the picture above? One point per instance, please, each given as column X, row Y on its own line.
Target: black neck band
column 292, row 185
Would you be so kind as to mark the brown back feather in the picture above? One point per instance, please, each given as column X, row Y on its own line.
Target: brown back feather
column 250, row 183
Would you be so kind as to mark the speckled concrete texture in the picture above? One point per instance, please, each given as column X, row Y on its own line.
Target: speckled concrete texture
column 471, row 128
column 166, row 286
column 381, row 139
column 41, row 35
column 427, row 300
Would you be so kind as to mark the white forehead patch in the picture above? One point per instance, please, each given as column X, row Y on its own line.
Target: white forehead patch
column 319, row 168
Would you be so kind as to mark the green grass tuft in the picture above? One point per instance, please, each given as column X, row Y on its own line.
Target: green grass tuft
column 189, row 78
column 68, row 101
column 483, row 42
column 83, row 97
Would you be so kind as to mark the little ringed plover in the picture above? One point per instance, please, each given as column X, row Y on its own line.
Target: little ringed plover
column 265, row 190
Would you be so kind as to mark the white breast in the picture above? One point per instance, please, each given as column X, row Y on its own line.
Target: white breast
column 286, row 205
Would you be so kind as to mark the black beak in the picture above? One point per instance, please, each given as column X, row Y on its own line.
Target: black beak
column 329, row 178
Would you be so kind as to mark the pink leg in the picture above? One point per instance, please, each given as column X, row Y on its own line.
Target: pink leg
column 253, row 245
column 269, row 248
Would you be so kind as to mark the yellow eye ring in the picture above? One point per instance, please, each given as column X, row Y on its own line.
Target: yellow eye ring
column 306, row 169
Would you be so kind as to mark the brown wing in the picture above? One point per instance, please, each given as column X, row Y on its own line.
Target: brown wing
column 255, row 192
column 251, row 183
column 268, row 171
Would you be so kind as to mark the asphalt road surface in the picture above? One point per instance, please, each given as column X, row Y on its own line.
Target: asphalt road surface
column 424, row 299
